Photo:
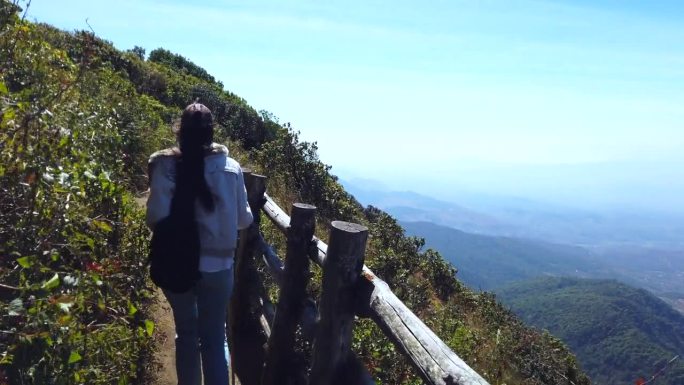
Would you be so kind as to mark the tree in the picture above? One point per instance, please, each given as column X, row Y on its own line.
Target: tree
column 139, row 52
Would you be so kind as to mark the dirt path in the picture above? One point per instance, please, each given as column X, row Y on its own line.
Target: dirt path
column 165, row 363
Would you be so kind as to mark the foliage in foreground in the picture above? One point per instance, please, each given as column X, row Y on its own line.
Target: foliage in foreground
column 78, row 121
column 71, row 235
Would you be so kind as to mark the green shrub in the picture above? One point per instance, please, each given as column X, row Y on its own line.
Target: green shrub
column 72, row 238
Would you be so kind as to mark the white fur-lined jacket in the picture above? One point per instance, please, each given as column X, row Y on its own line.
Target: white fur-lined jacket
column 218, row 228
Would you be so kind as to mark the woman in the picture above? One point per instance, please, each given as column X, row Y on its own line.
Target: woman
column 208, row 185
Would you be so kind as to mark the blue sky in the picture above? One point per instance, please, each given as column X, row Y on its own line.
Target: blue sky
column 558, row 99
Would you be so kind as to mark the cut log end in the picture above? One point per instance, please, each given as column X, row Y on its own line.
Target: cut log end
column 303, row 220
column 303, row 206
column 349, row 227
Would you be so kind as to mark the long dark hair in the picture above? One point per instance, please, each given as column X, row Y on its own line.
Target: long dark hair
column 195, row 135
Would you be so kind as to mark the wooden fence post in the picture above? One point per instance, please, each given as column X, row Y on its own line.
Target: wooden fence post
column 333, row 361
column 434, row 361
column 279, row 367
column 247, row 337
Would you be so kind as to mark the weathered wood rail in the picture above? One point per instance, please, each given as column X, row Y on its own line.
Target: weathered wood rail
column 263, row 337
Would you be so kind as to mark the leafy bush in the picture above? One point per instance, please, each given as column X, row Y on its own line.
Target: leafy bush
column 71, row 235
column 294, row 168
column 180, row 64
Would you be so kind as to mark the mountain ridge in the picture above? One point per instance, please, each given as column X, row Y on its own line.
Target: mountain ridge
column 620, row 333
column 527, row 218
column 487, row 262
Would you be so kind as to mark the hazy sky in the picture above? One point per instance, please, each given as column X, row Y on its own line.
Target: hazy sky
column 489, row 95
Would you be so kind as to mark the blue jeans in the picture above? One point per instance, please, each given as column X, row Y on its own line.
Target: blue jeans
column 200, row 318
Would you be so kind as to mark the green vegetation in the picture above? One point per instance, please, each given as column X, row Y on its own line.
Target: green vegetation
column 78, row 120
column 71, row 235
column 618, row 332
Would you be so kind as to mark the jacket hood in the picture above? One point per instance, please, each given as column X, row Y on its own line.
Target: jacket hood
column 214, row 149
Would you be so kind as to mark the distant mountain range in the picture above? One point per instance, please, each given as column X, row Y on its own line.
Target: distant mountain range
column 538, row 257
column 487, row 262
column 495, row 240
column 525, row 218
column 618, row 333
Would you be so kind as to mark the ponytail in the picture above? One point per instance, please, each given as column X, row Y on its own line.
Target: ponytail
column 194, row 136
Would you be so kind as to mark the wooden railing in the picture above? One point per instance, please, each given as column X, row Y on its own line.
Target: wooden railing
column 263, row 337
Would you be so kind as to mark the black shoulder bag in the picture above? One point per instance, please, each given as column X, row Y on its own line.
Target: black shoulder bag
column 175, row 248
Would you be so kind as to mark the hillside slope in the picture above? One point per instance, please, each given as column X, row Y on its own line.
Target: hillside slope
column 487, row 262
column 619, row 333
column 79, row 119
